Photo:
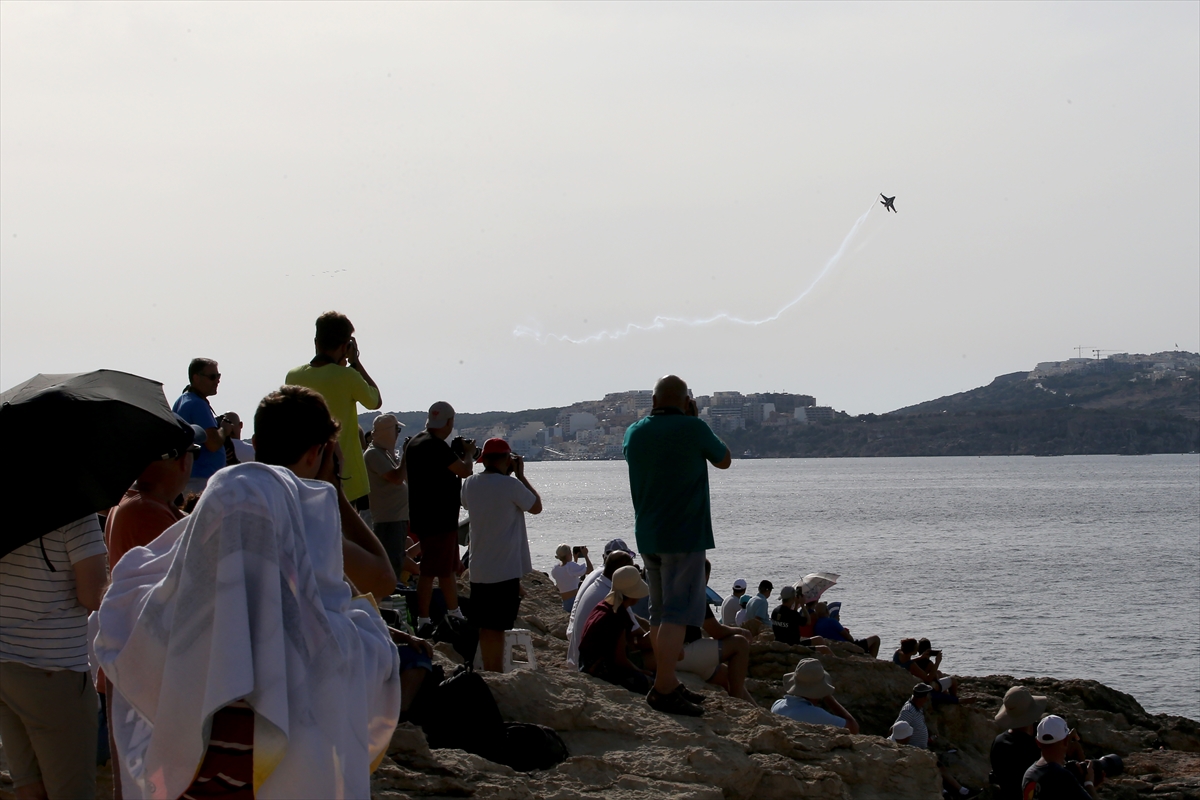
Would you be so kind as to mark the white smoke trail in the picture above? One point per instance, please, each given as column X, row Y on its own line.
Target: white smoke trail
column 661, row 322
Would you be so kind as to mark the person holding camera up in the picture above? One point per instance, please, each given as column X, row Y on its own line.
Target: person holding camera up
column 435, row 476
column 1049, row 778
column 203, row 379
column 498, row 499
column 337, row 374
column 568, row 573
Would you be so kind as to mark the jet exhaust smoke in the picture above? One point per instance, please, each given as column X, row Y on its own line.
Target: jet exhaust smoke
column 661, row 322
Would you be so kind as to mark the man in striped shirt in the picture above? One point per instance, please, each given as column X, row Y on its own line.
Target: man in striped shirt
column 48, row 705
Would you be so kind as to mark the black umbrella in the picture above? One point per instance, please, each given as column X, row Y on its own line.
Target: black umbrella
column 75, row 443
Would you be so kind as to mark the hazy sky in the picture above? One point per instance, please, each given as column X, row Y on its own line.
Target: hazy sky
column 204, row 179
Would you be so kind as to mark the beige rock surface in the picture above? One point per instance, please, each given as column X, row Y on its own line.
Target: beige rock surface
column 623, row 749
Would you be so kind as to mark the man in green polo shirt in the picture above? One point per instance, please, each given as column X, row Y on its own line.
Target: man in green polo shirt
column 668, row 454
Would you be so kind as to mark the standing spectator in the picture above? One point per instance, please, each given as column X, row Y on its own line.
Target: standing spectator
column 808, row 697
column 568, row 573
column 147, row 509
column 498, row 499
column 237, row 450
column 758, row 614
column 1014, row 751
column 233, row 681
column 733, row 604
column 435, row 476
column 388, row 476
column 48, row 706
column 193, row 406
column 595, row 588
column 339, row 376
column 668, row 453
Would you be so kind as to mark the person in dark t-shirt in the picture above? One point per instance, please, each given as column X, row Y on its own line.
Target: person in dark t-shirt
column 1015, row 750
column 602, row 649
column 435, row 476
column 1048, row 778
column 785, row 619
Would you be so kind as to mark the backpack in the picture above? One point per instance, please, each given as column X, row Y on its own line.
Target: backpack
column 462, row 714
column 526, row 747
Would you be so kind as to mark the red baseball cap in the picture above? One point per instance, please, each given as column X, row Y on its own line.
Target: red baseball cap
column 493, row 446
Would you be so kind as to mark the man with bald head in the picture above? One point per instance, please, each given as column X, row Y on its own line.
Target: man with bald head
column 668, row 453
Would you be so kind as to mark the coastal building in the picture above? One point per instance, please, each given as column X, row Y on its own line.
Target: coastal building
column 819, row 414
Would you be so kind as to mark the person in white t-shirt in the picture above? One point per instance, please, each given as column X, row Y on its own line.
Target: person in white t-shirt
column 733, row 604
column 570, row 572
column 498, row 499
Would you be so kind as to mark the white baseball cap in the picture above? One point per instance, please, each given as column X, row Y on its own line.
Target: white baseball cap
column 440, row 413
column 1052, row 729
column 739, row 584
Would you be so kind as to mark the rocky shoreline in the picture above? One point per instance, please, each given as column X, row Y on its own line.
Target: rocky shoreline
column 623, row 750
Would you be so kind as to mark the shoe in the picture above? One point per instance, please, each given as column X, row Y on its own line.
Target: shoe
column 673, row 703
column 689, row 695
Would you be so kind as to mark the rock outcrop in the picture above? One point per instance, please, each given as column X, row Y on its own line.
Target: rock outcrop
column 622, row 750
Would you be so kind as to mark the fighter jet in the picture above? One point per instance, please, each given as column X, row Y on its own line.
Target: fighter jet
column 887, row 203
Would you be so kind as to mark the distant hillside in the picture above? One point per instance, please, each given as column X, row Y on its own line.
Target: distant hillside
column 1136, row 383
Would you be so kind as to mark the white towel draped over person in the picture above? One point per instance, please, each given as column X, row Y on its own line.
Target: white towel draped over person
column 245, row 600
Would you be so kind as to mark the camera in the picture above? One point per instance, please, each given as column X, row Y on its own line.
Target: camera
column 1108, row 766
column 577, row 551
column 458, row 445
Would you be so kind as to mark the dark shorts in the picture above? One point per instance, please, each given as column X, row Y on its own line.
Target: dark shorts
column 439, row 553
column 864, row 644
column 494, row 606
column 412, row 658
column 678, row 590
column 394, row 538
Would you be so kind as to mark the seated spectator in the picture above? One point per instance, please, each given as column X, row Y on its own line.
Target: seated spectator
column 740, row 617
column 758, row 614
column 901, row 732
column 808, row 697
column 416, row 662
column 733, row 604
column 1014, row 751
column 787, row 622
column 602, row 651
column 595, row 588
column 913, row 713
column 831, row 629
column 924, row 668
column 718, row 653
column 1049, row 777
column 568, row 573
column 903, row 657
column 301, row 688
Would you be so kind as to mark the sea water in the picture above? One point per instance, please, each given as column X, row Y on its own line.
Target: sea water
column 1069, row 567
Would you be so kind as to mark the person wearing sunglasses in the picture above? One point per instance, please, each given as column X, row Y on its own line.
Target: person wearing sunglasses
column 193, row 406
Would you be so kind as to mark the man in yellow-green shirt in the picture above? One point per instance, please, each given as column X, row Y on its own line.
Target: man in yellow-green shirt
column 339, row 376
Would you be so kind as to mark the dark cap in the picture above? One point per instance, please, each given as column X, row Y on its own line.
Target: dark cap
column 922, row 689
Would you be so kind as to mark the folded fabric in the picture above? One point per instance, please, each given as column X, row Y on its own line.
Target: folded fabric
column 245, row 600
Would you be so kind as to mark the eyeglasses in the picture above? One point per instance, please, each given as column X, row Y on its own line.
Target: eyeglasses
column 216, row 376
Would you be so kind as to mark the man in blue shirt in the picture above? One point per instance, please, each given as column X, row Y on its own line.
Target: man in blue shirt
column 758, row 614
column 193, row 406
column 668, row 454
column 808, row 697
column 830, row 628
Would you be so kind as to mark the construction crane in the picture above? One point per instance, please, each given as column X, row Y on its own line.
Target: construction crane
column 1080, row 348
column 1096, row 352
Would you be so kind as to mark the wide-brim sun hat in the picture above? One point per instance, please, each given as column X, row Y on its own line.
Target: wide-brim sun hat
column 627, row 582
column 1021, row 707
column 808, row 680
column 900, row 730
